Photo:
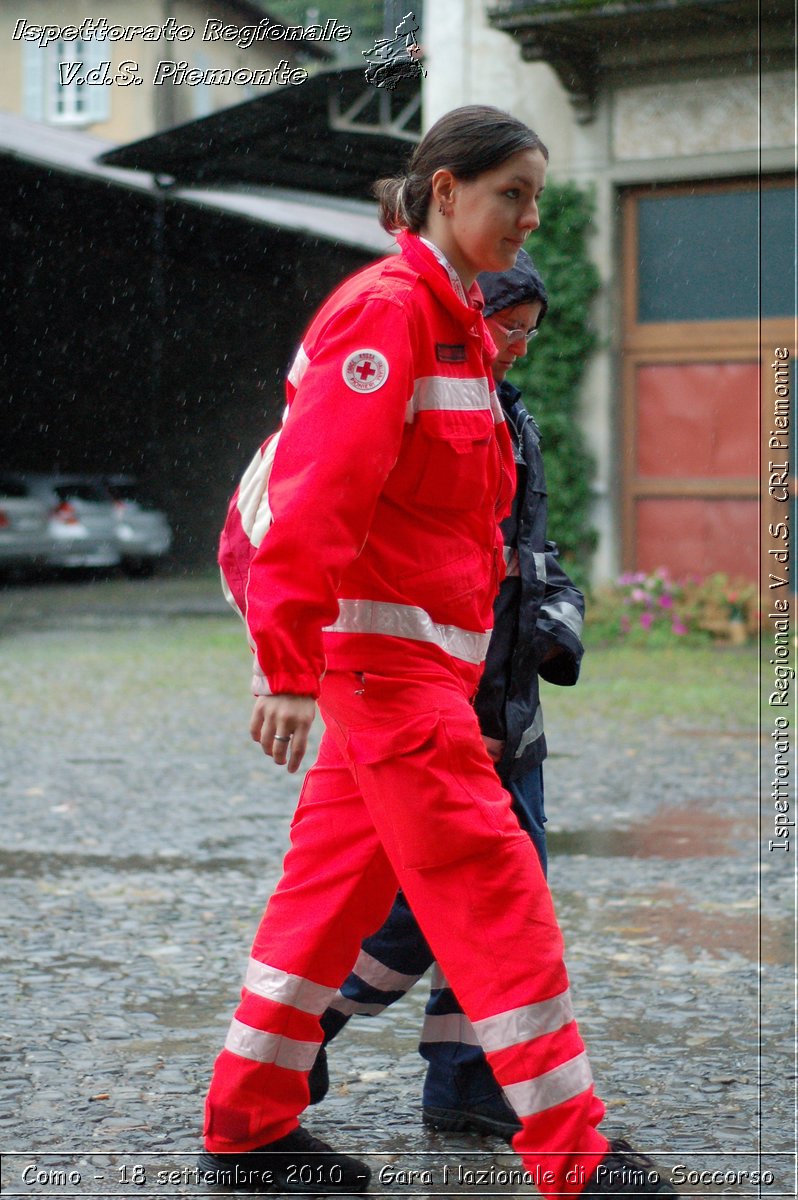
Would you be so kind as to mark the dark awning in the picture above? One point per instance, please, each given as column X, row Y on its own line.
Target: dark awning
column 333, row 134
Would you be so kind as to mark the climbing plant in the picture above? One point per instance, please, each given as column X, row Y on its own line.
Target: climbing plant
column 551, row 374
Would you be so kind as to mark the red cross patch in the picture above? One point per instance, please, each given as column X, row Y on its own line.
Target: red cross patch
column 365, row 370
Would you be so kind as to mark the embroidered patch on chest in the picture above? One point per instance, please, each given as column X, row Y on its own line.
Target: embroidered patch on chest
column 365, row 370
column 446, row 353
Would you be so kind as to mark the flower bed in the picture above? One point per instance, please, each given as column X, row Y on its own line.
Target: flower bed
column 656, row 609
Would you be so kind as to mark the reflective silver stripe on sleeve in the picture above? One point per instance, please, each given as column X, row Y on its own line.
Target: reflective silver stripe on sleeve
column 540, row 566
column 442, row 393
column 275, row 1048
column 550, row 1089
column 531, row 733
column 293, row 990
column 567, row 614
column 377, row 975
column 298, row 367
column 449, row 1027
column 406, row 621
column 522, row 1024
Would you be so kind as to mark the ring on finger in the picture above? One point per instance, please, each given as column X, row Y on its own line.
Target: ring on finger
column 279, row 738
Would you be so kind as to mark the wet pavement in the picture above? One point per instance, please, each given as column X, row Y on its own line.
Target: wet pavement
column 142, row 833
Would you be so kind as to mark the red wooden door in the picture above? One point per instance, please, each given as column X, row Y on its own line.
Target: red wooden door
column 705, row 301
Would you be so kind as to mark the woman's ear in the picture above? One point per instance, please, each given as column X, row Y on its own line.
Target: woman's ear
column 443, row 185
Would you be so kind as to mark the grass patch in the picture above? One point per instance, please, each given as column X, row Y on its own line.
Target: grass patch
column 119, row 644
column 712, row 686
column 144, row 664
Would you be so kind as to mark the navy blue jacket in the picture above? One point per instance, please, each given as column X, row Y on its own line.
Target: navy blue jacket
column 538, row 609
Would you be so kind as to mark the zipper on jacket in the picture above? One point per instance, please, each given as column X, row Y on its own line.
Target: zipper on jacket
column 503, row 476
column 496, row 573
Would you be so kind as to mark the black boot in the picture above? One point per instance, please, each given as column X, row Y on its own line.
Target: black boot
column 625, row 1171
column 319, row 1077
column 461, row 1094
column 298, row 1163
column 332, row 1023
column 493, row 1116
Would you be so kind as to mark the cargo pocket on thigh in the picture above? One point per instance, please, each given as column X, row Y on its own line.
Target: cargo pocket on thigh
column 410, row 773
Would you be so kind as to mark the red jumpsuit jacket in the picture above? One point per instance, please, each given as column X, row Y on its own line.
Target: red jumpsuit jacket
column 365, row 532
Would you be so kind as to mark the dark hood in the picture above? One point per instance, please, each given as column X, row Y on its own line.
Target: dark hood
column 522, row 284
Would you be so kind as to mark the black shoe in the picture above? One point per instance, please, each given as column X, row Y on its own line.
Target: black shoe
column 495, row 1116
column 319, row 1077
column 298, row 1163
column 625, row 1171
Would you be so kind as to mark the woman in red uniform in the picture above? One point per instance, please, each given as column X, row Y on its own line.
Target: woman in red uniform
column 375, row 559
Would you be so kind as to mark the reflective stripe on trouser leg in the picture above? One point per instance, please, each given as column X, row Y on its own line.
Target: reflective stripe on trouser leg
column 445, row 1021
column 475, row 884
column 390, row 962
column 533, row 1048
column 457, row 1076
column 337, row 887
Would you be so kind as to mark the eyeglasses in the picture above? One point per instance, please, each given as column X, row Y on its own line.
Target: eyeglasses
column 516, row 335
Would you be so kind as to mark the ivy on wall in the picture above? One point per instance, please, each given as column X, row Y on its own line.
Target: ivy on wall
column 550, row 375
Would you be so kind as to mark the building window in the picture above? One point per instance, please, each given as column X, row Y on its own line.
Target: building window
column 201, row 98
column 69, row 100
column 711, row 255
column 54, row 87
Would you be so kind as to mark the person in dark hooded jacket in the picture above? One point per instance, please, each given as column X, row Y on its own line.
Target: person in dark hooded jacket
column 536, row 634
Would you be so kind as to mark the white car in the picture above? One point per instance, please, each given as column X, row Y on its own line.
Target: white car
column 81, row 522
column 24, row 525
column 143, row 532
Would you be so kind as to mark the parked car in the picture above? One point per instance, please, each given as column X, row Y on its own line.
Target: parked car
column 24, row 525
column 81, row 520
column 143, row 532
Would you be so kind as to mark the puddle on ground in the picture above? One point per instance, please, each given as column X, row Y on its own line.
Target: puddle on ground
column 33, row 864
column 713, row 926
column 675, row 833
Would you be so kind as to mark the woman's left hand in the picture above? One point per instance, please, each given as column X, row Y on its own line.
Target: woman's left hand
column 281, row 724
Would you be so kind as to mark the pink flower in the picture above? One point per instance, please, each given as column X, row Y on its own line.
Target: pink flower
column 678, row 628
column 639, row 596
column 666, row 601
column 646, row 620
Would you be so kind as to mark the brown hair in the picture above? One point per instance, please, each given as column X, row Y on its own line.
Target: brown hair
column 466, row 141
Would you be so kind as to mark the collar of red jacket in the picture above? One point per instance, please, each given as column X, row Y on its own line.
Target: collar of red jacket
column 434, row 274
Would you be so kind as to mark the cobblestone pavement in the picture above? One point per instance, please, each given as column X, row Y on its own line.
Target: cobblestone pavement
column 142, row 833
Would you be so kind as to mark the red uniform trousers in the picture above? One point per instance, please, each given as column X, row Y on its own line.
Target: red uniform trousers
column 403, row 793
